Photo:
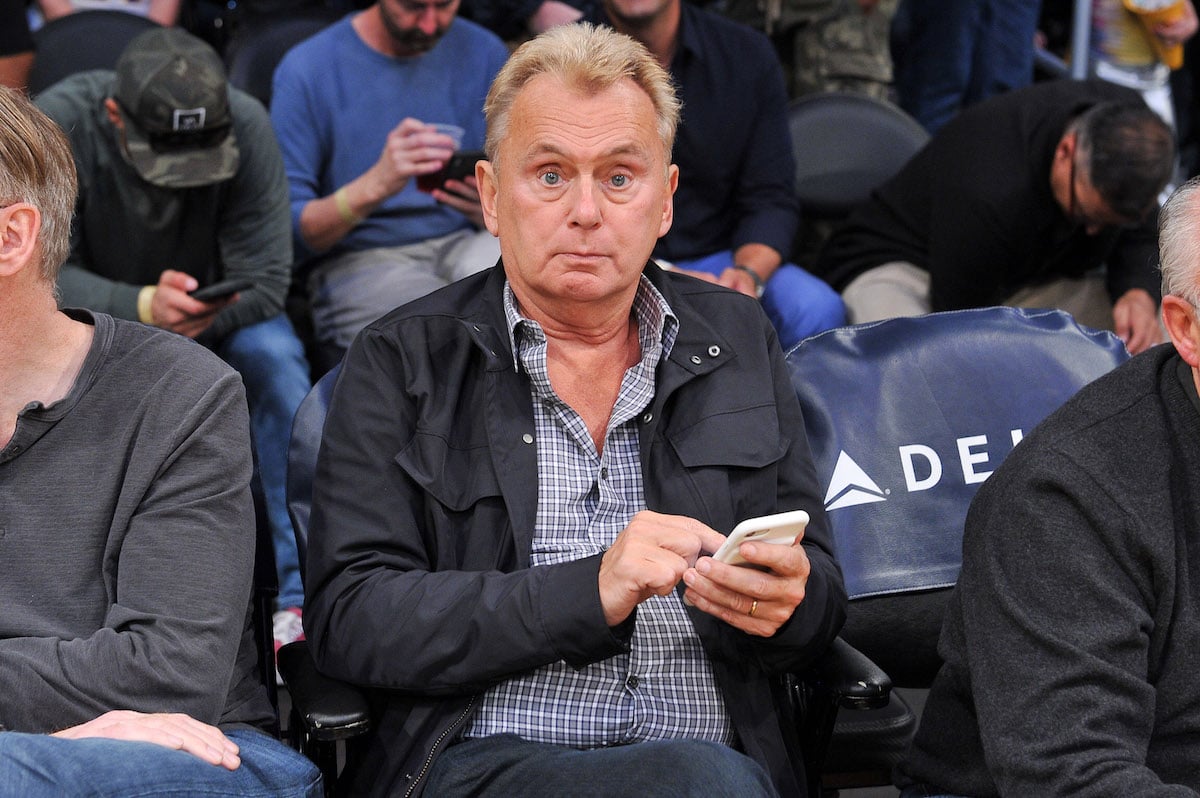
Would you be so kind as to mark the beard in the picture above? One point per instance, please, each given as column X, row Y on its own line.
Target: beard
column 410, row 41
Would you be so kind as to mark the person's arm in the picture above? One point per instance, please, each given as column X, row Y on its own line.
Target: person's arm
column 1133, row 284
column 412, row 148
column 254, row 228
column 379, row 520
column 182, row 572
column 765, row 204
column 781, row 644
column 1057, row 610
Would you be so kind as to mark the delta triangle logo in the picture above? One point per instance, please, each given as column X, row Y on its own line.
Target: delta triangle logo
column 850, row 486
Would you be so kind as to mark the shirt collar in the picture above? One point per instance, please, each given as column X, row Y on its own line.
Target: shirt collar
column 658, row 326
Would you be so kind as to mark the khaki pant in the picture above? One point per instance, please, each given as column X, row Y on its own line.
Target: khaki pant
column 901, row 289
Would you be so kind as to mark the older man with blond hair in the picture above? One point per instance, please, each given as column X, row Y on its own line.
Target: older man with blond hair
column 523, row 475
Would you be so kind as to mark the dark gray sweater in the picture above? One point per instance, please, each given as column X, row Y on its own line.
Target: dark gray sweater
column 127, row 541
column 1072, row 640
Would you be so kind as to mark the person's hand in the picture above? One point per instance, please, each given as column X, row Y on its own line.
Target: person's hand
column 550, row 14
column 412, row 148
column 1135, row 321
column 733, row 592
column 172, row 308
column 738, row 280
column 1179, row 31
column 648, row 558
column 698, row 274
column 462, row 196
column 177, row 731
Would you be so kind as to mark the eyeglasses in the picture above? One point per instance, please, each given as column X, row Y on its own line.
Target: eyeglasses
column 1091, row 220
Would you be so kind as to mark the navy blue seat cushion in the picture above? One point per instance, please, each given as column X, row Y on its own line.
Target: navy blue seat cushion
column 908, row 416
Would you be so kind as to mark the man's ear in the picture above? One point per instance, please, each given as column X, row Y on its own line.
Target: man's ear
column 668, row 212
column 1179, row 317
column 485, row 178
column 19, row 225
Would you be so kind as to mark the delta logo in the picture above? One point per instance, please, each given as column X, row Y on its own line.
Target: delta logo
column 923, row 468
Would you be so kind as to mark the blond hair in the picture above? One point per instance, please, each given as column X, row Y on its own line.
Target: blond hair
column 36, row 167
column 585, row 57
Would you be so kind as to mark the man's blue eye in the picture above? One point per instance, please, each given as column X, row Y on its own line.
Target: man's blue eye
column 551, row 178
column 620, row 181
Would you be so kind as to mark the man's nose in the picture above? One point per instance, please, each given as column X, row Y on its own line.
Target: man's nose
column 427, row 23
column 585, row 210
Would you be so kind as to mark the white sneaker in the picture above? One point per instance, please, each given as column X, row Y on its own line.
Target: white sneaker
column 288, row 627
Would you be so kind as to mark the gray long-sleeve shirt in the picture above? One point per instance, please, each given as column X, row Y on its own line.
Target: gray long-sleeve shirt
column 127, row 541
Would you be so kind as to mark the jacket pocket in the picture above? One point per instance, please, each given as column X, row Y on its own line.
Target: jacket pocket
column 746, row 437
column 456, row 477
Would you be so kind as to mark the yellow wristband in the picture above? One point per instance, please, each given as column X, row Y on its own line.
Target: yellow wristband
column 144, row 301
column 342, row 201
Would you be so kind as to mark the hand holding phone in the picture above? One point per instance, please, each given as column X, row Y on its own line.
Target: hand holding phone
column 460, row 165
column 220, row 290
column 780, row 528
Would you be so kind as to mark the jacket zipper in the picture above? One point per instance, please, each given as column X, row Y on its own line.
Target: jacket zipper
column 436, row 743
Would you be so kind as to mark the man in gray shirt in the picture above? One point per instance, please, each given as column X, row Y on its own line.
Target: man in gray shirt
column 127, row 661
column 181, row 185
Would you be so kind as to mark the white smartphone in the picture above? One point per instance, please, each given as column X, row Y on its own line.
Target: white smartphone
column 779, row 528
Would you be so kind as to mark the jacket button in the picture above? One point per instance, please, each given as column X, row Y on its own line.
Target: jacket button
column 647, row 417
column 527, row 438
column 714, row 350
column 696, row 359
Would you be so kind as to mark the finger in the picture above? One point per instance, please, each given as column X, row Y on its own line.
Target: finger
column 202, row 740
column 759, row 624
column 179, row 281
column 463, row 190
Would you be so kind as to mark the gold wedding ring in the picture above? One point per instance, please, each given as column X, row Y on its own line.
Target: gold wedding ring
column 753, row 608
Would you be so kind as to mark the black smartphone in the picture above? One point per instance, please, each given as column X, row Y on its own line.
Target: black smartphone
column 211, row 293
column 460, row 165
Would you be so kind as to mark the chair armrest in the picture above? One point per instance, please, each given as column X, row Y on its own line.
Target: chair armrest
column 852, row 678
column 328, row 709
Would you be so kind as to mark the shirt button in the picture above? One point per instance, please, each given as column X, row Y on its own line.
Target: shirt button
column 696, row 359
column 714, row 350
column 604, row 473
column 527, row 438
column 632, row 682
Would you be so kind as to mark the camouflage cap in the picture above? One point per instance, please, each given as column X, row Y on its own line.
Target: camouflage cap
column 174, row 99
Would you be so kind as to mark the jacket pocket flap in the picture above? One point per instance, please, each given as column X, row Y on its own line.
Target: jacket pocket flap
column 457, row 478
column 741, row 438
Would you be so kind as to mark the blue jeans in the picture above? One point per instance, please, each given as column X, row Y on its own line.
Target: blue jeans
column 270, row 358
column 506, row 765
column 40, row 766
column 797, row 303
column 953, row 53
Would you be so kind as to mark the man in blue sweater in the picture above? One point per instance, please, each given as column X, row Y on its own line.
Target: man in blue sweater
column 354, row 108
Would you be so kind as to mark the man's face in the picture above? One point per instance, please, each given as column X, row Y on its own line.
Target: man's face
column 415, row 26
column 1084, row 206
column 634, row 13
column 579, row 193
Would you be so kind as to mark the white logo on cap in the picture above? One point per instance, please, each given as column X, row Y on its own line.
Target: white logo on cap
column 850, row 486
column 189, row 119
